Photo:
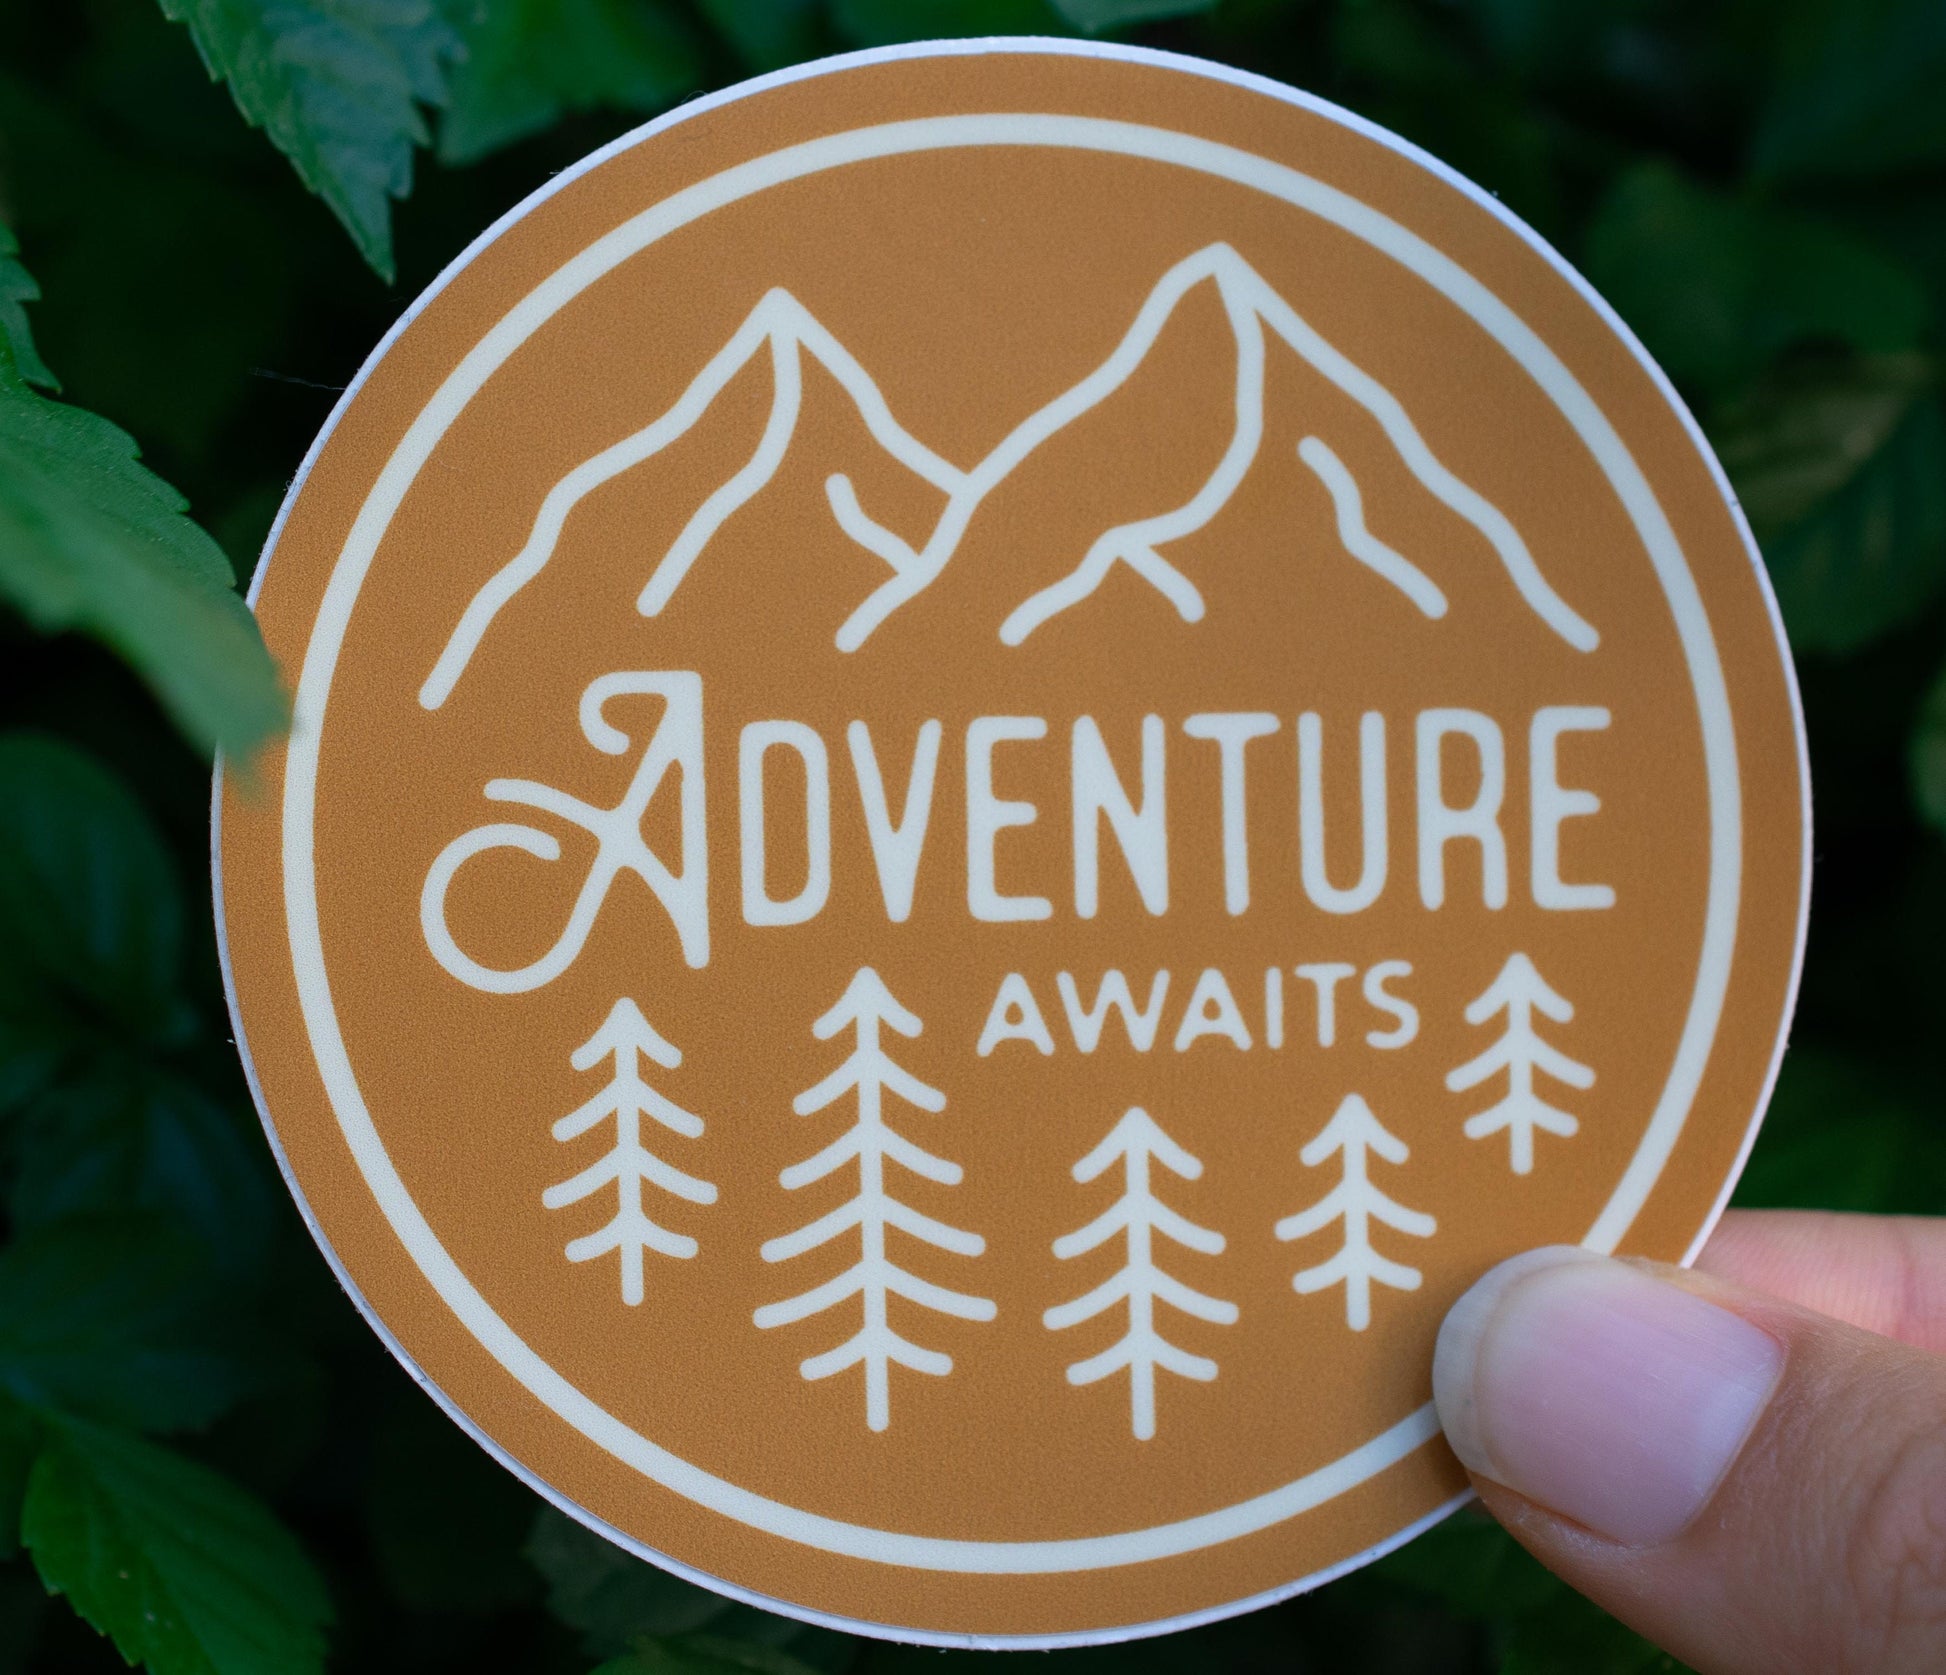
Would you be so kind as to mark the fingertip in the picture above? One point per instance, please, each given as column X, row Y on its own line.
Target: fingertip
column 1600, row 1391
column 1462, row 1334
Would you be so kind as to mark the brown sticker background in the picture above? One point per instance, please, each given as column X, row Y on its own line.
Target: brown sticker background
column 974, row 285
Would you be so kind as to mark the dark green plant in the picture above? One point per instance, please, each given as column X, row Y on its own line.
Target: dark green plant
column 203, row 1453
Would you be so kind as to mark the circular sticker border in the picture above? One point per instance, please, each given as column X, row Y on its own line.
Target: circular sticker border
column 408, row 457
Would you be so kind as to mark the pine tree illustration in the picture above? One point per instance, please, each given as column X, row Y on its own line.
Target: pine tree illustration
column 1519, row 992
column 870, row 1073
column 1353, row 1133
column 1139, row 1215
column 626, row 1037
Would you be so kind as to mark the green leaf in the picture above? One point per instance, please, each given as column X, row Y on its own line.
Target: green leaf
column 887, row 22
column 1840, row 463
column 338, row 86
column 17, row 288
column 1573, row 1636
column 1843, row 1134
column 704, row 1654
column 106, row 1318
column 1716, row 286
column 91, row 931
column 1093, row 17
column 20, row 1441
column 183, row 1570
column 768, row 34
column 160, row 340
column 610, row 1597
column 92, row 540
column 1591, row 40
column 1480, row 1572
column 1858, row 93
column 1800, row 436
column 529, row 61
column 91, row 915
column 1437, row 95
column 1474, row 1566
column 124, row 1136
column 1927, row 756
column 446, row 1520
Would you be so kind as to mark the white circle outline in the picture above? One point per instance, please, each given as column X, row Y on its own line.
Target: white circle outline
column 1514, row 337
column 600, row 258
column 503, row 340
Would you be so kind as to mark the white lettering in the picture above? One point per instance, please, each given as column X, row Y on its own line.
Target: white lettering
column 1440, row 823
column 1553, row 802
column 1232, row 731
column 1143, row 833
column 1015, row 1016
column 1325, row 979
column 1405, row 1028
column 987, row 816
column 759, row 907
column 1274, row 1006
column 1086, row 1026
column 896, row 849
column 1212, row 1010
column 1452, row 806
column 1372, row 811
column 677, row 743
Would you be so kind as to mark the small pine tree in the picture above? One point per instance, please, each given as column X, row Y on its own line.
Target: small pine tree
column 1519, row 992
column 1139, row 1215
column 1352, row 1133
column 626, row 1037
column 870, row 1073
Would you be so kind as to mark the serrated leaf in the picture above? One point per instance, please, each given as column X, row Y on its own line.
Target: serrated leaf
column 609, row 1597
column 1858, row 91
column 90, row 539
column 1841, row 467
column 121, row 1135
column 108, row 1319
column 338, row 86
column 1716, row 286
column 1927, row 756
column 17, row 288
column 1094, row 17
column 768, row 34
column 530, row 61
column 182, row 1569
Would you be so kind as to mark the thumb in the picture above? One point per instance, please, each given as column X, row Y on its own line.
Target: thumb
column 1754, row 1487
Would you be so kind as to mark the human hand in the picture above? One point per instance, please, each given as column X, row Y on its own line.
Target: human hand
column 1745, row 1462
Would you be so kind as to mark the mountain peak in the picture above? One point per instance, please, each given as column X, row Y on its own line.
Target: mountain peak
column 789, row 331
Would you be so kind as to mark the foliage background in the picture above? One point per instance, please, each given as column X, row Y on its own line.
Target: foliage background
column 204, row 1455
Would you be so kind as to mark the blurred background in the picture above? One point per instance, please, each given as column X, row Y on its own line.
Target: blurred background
column 207, row 1463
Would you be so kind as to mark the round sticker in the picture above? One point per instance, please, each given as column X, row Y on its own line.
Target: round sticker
column 1001, row 753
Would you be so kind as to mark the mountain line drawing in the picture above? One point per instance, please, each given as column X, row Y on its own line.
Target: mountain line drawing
column 784, row 327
